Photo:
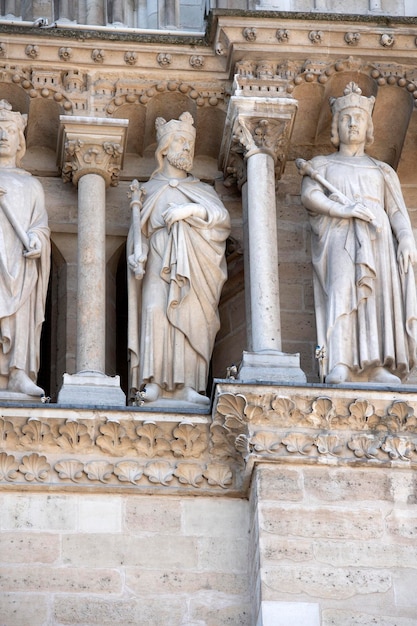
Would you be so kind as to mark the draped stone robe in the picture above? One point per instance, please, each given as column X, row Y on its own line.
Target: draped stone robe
column 174, row 321
column 366, row 309
column 23, row 282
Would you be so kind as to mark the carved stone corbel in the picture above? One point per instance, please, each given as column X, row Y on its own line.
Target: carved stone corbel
column 88, row 147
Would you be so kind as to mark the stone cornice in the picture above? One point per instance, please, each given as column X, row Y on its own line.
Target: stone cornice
column 148, row 452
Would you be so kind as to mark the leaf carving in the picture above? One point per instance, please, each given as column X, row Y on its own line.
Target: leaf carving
column 360, row 412
column 365, row 446
column 128, row 471
column 329, row 444
column 8, row 467
column 74, row 436
column 218, row 475
column 190, row 441
column 265, row 442
column 8, row 436
column 297, row 442
column 152, row 441
column 34, row 467
column 36, row 434
column 69, row 469
column 159, row 472
column 98, row 470
column 189, row 474
column 113, row 440
column 254, row 413
column 283, row 407
column 398, row 448
column 400, row 417
column 232, row 407
column 323, row 412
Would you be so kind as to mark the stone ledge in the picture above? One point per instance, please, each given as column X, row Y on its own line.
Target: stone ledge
column 51, row 447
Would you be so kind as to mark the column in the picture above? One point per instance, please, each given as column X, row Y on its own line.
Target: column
column 260, row 129
column 91, row 152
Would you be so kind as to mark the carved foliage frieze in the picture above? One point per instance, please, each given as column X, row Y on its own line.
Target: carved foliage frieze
column 330, row 428
column 145, row 454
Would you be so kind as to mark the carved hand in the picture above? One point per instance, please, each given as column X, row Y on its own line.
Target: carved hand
column 137, row 264
column 178, row 212
column 35, row 247
column 356, row 210
column 406, row 253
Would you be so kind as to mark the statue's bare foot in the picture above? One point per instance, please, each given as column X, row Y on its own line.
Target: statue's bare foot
column 151, row 392
column 191, row 395
column 20, row 382
column 382, row 375
column 339, row 374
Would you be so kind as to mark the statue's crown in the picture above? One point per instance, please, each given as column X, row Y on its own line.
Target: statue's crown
column 185, row 124
column 352, row 98
column 6, row 113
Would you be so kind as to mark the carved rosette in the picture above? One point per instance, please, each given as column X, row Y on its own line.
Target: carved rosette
column 87, row 147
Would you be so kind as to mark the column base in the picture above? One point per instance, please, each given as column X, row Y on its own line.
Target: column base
column 91, row 389
column 271, row 367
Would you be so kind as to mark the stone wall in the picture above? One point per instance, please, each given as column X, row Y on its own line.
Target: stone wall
column 69, row 558
column 338, row 542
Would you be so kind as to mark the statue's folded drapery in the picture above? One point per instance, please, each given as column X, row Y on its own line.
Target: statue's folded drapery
column 173, row 317
column 23, row 281
column 366, row 306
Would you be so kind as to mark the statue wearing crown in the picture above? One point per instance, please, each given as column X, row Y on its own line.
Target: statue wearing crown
column 24, row 261
column 363, row 251
column 177, row 267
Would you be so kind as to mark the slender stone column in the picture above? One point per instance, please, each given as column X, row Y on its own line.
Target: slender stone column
column 91, row 153
column 91, row 352
column 263, row 253
column 259, row 129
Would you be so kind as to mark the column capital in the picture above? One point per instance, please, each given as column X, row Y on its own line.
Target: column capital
column 91, row 145
column 256, row 125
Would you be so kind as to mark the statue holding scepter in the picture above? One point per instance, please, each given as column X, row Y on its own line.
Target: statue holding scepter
column 173, row 308
column 363, row 251
column 24, row 260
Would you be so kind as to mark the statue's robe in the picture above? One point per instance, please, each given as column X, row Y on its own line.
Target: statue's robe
column 173, row 311
column 366, row 308
column 23, row 282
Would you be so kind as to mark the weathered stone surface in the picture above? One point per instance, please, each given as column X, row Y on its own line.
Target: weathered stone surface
column 18, row 547
column 275, row 548
column 402, row 523
column 215, row 518
column 100, row 514
column 346, row 485
column 279, row 483
column 322, row 522
column 324, row 582
column 102, row 611
column 211, row 610
column 365, row 554
column 115, row 550
column 223, row 555
column 152, row 515
column 18, row 608
column 143, row 581
column 53, row 580
column 335, row 617
column 18, row 511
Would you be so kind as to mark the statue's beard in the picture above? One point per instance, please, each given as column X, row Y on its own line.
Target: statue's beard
column 181, row 160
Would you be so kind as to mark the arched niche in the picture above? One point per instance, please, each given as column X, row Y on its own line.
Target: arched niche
column 41, row 136
column 310, row 104
column 16, row 95
column 169, row 106
column 136, row 114
column 53, row 350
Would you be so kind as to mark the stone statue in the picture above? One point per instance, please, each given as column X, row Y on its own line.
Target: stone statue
column 178, row 264
column 363, row 250
column 24, row 260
